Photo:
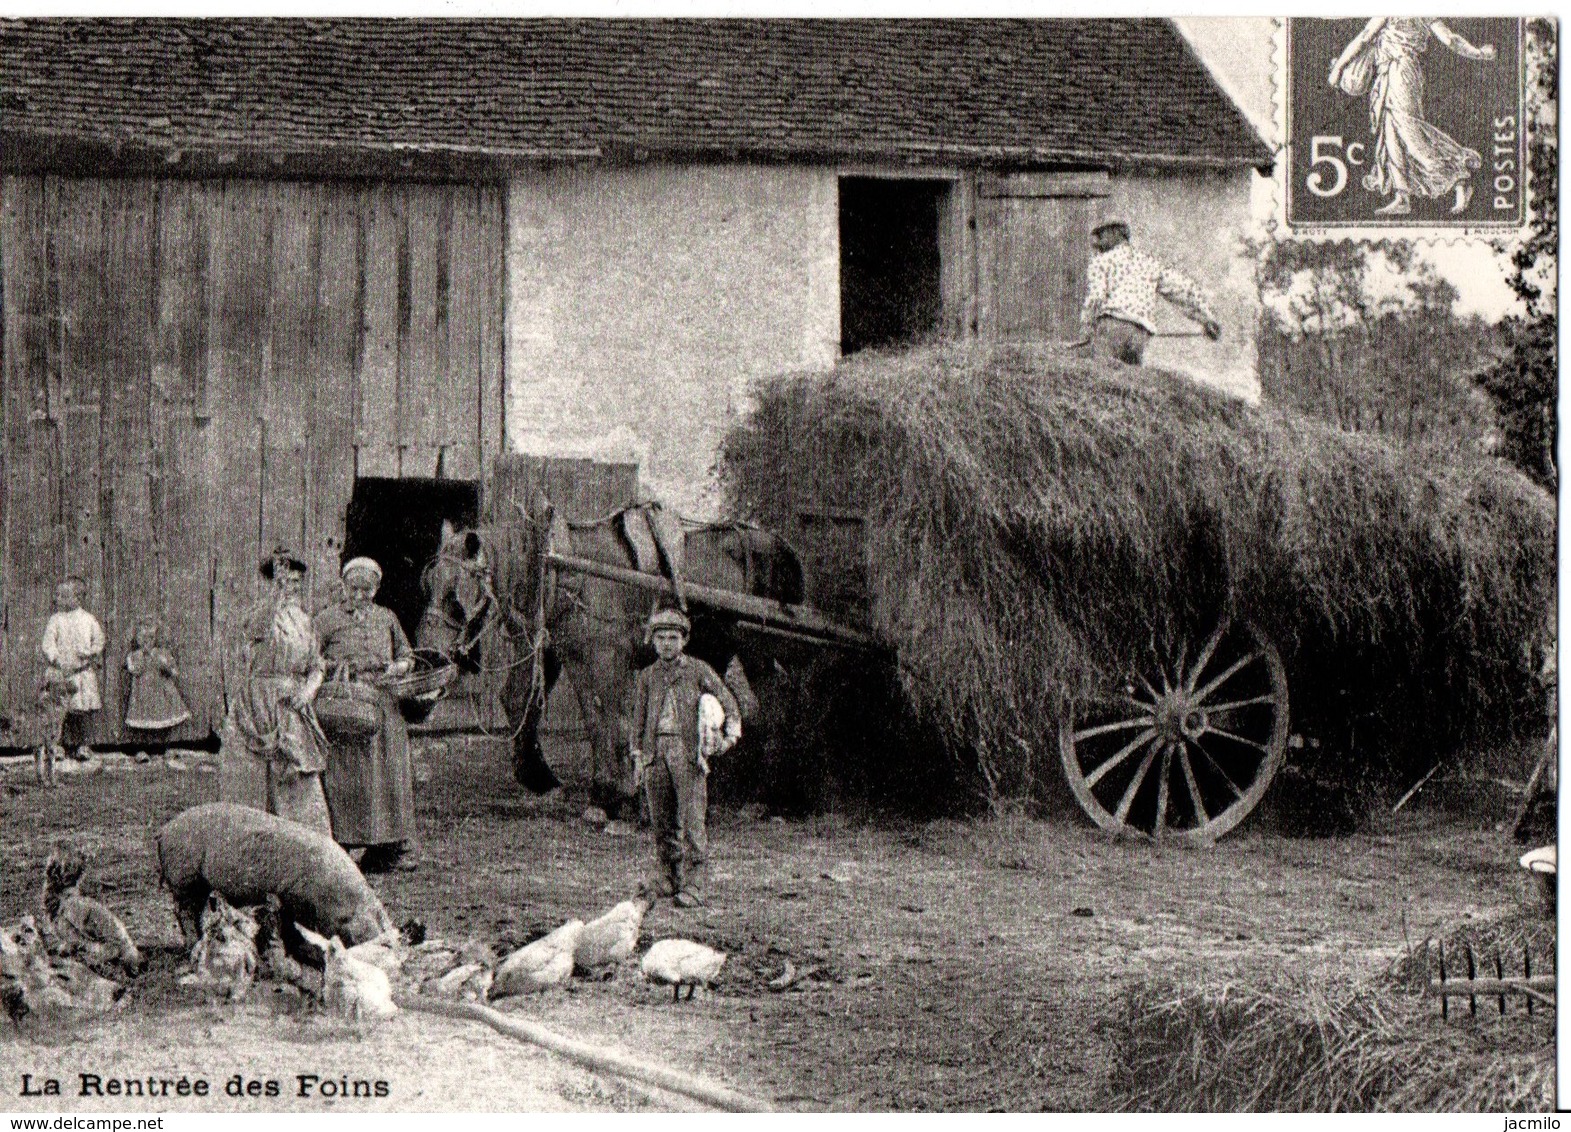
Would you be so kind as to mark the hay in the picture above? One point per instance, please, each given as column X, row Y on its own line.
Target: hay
column 1230, row 1049
column 1033, row 523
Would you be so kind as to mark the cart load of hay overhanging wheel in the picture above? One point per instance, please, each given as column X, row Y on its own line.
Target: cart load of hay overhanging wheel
column 1156, row 591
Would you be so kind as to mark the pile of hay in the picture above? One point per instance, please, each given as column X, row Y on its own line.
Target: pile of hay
column 1033, row 522
column 1229, row 1049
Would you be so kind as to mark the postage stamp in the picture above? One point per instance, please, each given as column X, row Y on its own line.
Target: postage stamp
column 1403, row 122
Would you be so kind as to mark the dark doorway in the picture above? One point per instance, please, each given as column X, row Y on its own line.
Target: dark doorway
column 889, row 261
column 399, row 523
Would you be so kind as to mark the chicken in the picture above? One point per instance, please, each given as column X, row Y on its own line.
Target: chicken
column 467, row 981
column 682, row 963
column 79, row 926
column 609, row 940
column 226, row 955
column 351, row 988
column 714, row 737
column 538, row 966
column 30, row 983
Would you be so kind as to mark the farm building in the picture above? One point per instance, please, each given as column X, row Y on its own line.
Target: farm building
column 300, row 281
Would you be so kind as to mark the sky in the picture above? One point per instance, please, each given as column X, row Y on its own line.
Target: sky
column 1238, row 51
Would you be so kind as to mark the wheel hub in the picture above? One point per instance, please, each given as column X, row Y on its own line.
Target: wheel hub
column 1178, row 718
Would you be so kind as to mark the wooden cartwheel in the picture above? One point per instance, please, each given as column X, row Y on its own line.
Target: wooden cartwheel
column 1186, row 749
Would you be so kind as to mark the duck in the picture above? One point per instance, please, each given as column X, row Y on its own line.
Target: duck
column 609, row 939
column 351, row 988
column 538, row 966
column 79, row 926
column 682, row 963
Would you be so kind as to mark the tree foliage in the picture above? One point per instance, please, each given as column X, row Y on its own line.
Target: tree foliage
column 1366, row 336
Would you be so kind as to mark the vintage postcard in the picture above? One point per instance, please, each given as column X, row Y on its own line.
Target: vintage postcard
column 670, row 564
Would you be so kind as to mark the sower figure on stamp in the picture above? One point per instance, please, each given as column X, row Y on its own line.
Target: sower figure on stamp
column 1412, row 156
column 669, row 758
column 1122, row 286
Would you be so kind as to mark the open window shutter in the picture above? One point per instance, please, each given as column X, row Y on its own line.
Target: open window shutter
column 1033, row 246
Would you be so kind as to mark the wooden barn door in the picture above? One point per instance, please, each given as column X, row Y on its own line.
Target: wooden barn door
column 196, row 371
column 1033, row 247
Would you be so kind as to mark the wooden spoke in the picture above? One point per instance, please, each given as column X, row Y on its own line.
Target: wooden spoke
column 1201, row 816
column 1134, row 785
column 1172, row 737
column 1163, row 773
column 1100, row 772
column 1230, row 704
column 1236, row 738
column 1238, row 791
column 1104, row 728
column 1205, row 656
column 1212, row 686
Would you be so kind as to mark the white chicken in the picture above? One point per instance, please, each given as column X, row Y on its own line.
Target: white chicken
column 714, row 737
column 682, row 963
column 608, row 940
column 352, row 988
column 538, row 966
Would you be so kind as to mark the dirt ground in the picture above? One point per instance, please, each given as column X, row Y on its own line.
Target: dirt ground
column 945, row 965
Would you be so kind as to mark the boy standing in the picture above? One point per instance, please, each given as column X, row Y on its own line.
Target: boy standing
column 667, row 759
column 72, row 644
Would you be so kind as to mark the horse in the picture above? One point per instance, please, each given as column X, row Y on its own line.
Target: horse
column 493, row 583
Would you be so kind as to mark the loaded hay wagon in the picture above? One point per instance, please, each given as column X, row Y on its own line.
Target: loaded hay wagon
column 1118, row 575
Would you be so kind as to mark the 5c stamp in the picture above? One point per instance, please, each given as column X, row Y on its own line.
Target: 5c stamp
column 1404, row 122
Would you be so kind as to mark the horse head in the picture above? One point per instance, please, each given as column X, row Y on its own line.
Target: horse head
column 460, row 596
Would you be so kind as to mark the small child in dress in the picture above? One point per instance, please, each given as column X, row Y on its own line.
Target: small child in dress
column 72, row 644
column 155, row 703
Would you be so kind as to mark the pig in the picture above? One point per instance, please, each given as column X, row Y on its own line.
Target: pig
column 248, row 855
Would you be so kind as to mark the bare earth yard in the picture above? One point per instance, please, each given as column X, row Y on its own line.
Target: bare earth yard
column 948, row 965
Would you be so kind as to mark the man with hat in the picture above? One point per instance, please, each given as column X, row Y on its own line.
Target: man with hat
column 666, row 755
column 1122, row 286
column 273, row 747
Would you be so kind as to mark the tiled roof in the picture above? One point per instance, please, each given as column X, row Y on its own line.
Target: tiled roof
column 967, row 92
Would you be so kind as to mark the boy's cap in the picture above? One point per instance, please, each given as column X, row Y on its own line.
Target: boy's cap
column 670, row 619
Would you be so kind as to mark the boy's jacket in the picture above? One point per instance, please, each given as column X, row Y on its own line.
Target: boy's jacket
column 691, row 678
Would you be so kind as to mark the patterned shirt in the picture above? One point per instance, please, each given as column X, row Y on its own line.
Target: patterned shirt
column 1123, row 284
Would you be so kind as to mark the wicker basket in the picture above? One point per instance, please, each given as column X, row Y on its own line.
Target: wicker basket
column 432, row 675
column 348, row 709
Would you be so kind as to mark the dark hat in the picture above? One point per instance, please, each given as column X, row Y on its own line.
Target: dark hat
column 281, row 554
column 1113, row 223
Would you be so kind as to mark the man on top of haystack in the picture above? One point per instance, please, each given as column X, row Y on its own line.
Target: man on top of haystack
column 1122, row 286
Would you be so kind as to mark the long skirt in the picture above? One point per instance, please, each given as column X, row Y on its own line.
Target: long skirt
column 273, row 786
column 369, row 784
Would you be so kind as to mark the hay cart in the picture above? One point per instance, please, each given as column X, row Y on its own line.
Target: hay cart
column 1182, row 752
